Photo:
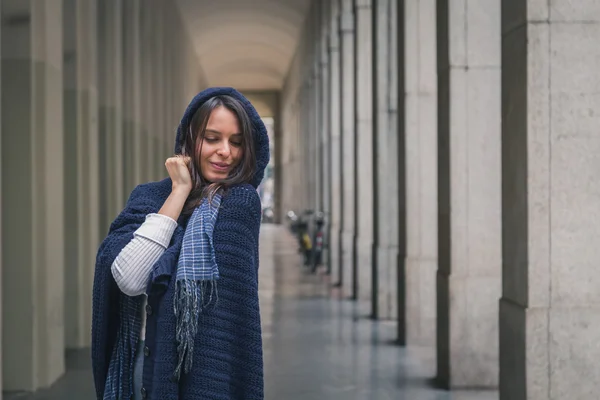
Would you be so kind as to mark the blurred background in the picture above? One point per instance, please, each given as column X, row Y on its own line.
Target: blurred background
column 430, row 210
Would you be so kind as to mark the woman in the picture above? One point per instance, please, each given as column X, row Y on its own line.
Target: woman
column 176, row 313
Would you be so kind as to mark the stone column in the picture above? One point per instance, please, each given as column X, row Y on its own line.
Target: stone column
column 336, row 143
column 132, row 94
column 347, row 72
column 312, row 38
column 469, row 281
column 391, row 288
column 307, row 148
column 128, row 131
column 325, row 160
column 385, row 160
column 312, row 104
column 302, row 169
column 176, row 76
column 1, row 212
column 364, row 194
column 420, row 158
column 32, row 194
column 315, row 127
column 278, row 166
column 169, row 61
column 110, row 81
column 148, row 92
column 158, row 133
column 81, row 166
column 549, row 311
column 381, row 173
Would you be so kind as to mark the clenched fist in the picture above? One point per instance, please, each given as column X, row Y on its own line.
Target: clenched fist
column 178, row 168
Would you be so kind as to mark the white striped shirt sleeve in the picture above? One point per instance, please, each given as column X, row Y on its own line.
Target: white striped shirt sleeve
column 131, row 268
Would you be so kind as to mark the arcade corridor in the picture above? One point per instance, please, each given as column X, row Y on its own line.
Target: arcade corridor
column 452, row 145
column 315, row 346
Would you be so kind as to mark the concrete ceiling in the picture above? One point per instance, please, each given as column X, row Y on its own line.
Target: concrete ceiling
column 247, row 44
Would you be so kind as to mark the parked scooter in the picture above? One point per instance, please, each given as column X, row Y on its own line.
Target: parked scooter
column 317, row 253
column 299, row 226
column 310, row 230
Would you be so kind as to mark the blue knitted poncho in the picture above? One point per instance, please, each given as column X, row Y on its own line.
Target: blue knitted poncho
column 228, row 347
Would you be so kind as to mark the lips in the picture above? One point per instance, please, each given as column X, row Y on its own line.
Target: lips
column 220, row 166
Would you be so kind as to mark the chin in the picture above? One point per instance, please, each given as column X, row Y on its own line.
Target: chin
column 214, row 178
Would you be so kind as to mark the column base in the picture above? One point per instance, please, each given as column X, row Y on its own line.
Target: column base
column 348, row 274
column 420, row 301
column 334, row 254
column 467, row 331
column 387, row 282
column 364, row 267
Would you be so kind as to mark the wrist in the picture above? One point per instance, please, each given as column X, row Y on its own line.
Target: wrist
column 181, row 190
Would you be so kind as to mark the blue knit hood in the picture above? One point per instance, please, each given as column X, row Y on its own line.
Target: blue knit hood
column 259, row 131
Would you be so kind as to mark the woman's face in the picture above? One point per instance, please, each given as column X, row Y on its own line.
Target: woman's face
column 221, row 149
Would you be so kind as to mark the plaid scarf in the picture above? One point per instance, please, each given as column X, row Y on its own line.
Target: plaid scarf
column 196, row 270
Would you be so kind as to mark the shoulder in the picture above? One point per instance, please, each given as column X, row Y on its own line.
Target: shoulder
column 242, row 203
column 152, row 189
column 144, row 199
column 245, row 196
column 152, row 192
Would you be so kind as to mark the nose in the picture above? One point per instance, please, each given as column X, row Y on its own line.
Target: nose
column 224, row 150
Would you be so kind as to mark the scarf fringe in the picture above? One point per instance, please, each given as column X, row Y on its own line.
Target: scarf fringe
column 189, row 303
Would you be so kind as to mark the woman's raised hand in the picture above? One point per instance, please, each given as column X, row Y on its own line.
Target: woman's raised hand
column 179, row 171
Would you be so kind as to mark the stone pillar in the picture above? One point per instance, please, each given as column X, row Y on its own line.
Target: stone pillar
column 171, row 122
column 1, row 212
column 469, row 281
column 312, row 104
column 110, row 85
column 32, row 194
column 278, row 169
column 302, row 171
column 133, row 142
column 420, row 158
column 364, row 194
column 81, row 166
column 315, row 128
column 158, row 134
column 549, row 311
column 177, row 97
column 148, row 92
column 381, row 173
column 301, row 167
column 347, row 72
column 307, row 139
column 325, row 160
column 385, row 160
column 391, row 288
column 336, row 143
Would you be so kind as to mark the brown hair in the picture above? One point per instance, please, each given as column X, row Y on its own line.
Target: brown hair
column 242, row 173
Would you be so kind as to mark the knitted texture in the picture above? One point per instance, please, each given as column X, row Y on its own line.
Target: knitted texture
column 228, row 347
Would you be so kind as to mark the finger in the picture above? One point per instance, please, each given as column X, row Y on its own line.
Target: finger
column 183, row 158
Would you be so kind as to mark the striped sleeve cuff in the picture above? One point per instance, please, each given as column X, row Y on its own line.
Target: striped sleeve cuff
column 158, row 228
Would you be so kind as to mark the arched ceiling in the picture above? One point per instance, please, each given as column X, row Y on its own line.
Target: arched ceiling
column 248, row 44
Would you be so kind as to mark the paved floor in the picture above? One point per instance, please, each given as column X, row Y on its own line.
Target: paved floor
column 316, row 347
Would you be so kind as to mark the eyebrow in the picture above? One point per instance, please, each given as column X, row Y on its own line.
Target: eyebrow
column 219, row 133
